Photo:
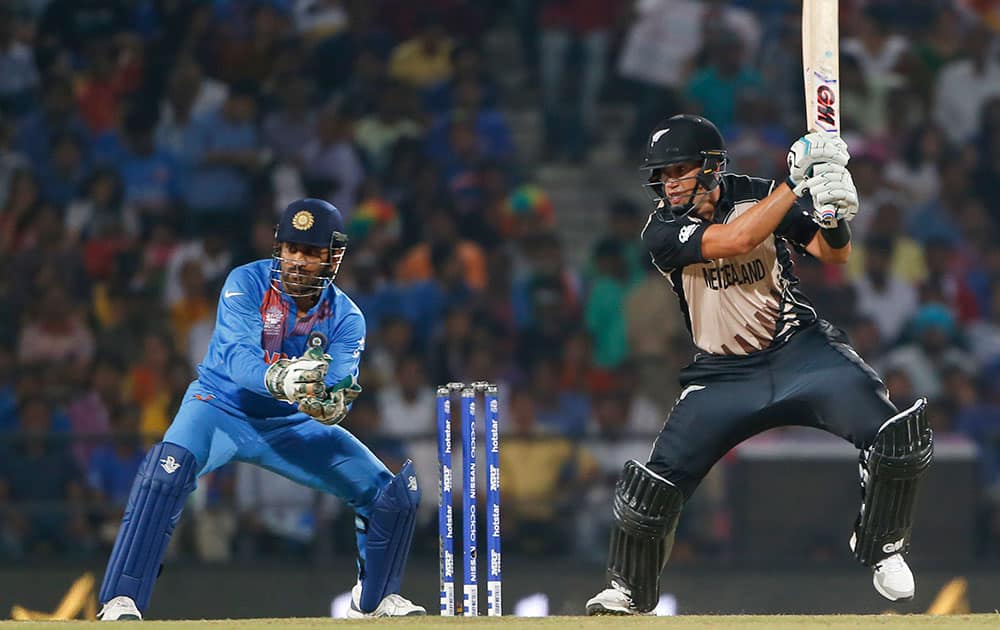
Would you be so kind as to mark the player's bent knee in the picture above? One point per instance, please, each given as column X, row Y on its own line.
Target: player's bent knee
column 390, row 526
column 891, row 469
column 646, row 510
column 165, row 479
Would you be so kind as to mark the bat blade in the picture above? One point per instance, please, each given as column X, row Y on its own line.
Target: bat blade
column 821, row 64
column 821, row 72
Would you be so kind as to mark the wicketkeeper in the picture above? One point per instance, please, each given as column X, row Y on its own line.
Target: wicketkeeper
column 279, row 376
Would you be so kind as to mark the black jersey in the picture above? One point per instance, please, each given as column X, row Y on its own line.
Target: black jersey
column 742, row 304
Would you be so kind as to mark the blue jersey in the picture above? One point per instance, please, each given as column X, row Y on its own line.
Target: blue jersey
column 256, row 325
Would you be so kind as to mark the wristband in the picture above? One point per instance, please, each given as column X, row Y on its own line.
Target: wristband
column 837, row 237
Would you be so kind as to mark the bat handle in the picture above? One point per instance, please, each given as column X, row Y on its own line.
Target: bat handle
column 828, row 219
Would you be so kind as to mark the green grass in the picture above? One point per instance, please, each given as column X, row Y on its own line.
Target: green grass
column 770, row 622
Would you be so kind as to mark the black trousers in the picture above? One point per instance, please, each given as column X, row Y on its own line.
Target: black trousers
column 814, row 379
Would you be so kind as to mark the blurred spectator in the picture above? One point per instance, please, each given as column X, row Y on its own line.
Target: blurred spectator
column 11, row 160
column 406, row 405
column 965, row 84
column 452, row 345
column 108, row 78
column 91, row 412
column 943, row 285
column 67, row 27
column 717, row 87
column 189, row 95
column 988, row 165
column 151, row 178
column 604, row 312
column 288, row 129
column 56, row 331
column 547, row 288
column 38, row 475
column 98, row 211
column 416, row 264
column 984, row 335
column 931, row 353
column 112, row 467
column 543, row 475
column 584, row 26
column 558, row 411
column 425, row 59
column 65, row 171
column 223, row 155
column 56, row 116
column 906, row 256
column 195, row 305
column 915, row 172
column 378, row 133
column 278, row 516
column 209, row 252
column 885, row 298
column 467, row 64
column 250, row 56
column 331, row 162
column 978, row 420
column 8, row 399
column 396, row 342
column 18, row 73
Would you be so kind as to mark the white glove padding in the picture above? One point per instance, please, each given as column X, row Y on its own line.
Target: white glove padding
column 811, row 149
column 295, row 379
column 834, row 196
column 331, row 408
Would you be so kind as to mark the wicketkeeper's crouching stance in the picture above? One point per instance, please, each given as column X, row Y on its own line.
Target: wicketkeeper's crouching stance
column 251, row 402
column 766, row 359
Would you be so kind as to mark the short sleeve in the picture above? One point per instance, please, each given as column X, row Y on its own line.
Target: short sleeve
column 798, row 226
column 673, row 242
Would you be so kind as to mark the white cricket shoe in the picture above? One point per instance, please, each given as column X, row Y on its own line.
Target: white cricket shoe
column 893, row 579
column 612, row 601
column 392, row 605
column 120, row 608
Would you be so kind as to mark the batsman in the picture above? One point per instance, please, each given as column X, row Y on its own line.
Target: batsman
column 279, row 376
column 765, row 358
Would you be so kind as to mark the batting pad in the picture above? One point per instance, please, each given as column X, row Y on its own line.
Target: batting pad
column 890, row 472
column 162, row 485
column 390, row 533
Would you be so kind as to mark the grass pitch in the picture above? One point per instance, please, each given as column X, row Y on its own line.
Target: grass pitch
column 683, row 622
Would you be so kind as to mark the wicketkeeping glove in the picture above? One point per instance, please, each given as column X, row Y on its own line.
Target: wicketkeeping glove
column 812, row 149
column 294, row 379
column 834, row 196
column 331, row 407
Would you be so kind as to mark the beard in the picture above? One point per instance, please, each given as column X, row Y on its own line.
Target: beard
column 298, row 280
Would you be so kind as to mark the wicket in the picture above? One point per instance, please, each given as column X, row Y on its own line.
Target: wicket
column 446, row 526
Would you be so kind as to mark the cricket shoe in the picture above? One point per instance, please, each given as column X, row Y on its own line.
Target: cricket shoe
column 120, row 608
column 392, row 605
column 893, row 579
column 612, row 601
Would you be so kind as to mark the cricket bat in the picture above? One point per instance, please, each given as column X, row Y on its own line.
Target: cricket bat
column 821, row 70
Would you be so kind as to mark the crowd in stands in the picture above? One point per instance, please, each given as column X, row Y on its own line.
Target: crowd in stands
column 147, row 145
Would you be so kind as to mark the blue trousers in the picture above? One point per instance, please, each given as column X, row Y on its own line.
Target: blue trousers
column 326, row 458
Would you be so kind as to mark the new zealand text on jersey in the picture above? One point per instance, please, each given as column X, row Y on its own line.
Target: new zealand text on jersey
column 729, row 274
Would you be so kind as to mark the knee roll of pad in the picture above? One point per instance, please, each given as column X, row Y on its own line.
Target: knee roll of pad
column 646, row 509
column 890, row 472
column 161, row 487
column 390, row 534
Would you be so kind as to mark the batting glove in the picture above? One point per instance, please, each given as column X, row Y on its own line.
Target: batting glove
column 809, row 150
column 834, row 196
